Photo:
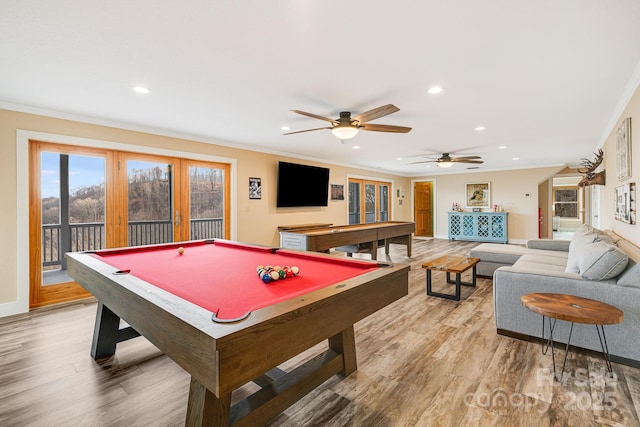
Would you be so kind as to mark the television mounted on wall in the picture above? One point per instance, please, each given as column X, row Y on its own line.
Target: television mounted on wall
column 302, row 185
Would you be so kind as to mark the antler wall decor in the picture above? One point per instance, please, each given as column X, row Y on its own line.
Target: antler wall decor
column 591, row 177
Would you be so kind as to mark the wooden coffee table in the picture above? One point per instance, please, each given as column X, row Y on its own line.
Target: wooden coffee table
column 451, row 264
column 575, row 310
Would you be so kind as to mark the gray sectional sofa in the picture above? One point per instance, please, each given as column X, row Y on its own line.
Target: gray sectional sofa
column 594, row 264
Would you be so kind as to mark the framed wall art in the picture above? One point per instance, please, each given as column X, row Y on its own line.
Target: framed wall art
column 337, row 192
column 255, row 188
column 623, row 149
column 477, row 195
column 626, row 203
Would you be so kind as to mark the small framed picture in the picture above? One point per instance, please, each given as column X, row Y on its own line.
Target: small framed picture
column 623, row 148
column 255, row 188
column 337, row 192
column 477, row 195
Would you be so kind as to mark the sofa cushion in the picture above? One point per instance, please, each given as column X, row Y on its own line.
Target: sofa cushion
column 508, row 254
column 601, row 261
column 581, row 238
column 549, row 244
column 584, row 235
column 631, row 275
column 499, row 253
column 544, row 261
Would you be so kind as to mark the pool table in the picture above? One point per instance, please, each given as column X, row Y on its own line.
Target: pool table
column 208, row 310
column 350, row 238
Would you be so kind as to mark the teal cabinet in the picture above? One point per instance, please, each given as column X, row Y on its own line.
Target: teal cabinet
column 479, row 226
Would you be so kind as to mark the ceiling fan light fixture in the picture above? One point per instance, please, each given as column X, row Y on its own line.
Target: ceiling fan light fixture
column 344, row 132
column 445, row 164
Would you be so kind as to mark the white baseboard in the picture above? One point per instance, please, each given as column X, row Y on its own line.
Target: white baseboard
column 13, row 308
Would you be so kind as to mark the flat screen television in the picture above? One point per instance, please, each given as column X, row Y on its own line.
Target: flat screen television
column 302, row 185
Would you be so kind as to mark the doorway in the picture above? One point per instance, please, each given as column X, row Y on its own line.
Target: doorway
column 368, row 201
column 567, row 206
column 423, row 208
column 84, row 199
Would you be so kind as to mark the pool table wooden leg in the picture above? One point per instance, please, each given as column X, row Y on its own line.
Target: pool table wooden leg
column 107, row 333
column 205, row 409
column 344, row 343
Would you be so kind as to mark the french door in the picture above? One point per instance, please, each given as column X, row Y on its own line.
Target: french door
column 369, row 201
column 85, row 199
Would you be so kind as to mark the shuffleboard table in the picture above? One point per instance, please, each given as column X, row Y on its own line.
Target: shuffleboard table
column 322, row 239
column 207, row 309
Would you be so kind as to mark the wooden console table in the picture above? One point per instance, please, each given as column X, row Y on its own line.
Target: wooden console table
column 575, row 310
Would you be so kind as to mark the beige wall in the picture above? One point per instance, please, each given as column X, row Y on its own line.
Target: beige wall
column 252, row 220
column 630, row 231
column 508, row 188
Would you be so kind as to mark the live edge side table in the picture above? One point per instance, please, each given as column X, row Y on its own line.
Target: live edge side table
column 573, row 309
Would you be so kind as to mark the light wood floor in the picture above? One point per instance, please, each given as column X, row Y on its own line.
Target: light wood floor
column 423, row 361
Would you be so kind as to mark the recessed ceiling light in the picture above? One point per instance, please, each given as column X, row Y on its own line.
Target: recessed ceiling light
column 398, row 158
column 356, row 147
column 480, row 128
column 516, row 158
column 502, row 147
column 434, row 90
column 285, row 128
column 141, row 89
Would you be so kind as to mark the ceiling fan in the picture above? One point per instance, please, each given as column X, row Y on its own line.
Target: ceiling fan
column 446, row 161
column 346, row 127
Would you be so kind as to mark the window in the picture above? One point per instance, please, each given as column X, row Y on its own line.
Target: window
column 566, row 202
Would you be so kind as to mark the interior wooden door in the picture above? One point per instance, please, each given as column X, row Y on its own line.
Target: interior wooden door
column 423, row 209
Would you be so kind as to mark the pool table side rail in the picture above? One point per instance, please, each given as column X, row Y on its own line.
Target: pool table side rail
column 285, row 330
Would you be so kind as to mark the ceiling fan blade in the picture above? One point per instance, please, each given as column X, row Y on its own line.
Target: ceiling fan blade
column 315, row 116
column 468, row 161
column 308, row 130
column 385, row 128
column 376, row 113
column 424, row 161
column 468, row 157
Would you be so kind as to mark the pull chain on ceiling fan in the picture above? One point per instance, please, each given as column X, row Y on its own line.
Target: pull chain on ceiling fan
column 346, row 127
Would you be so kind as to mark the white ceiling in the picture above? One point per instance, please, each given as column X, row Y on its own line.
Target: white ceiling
column 547, row 78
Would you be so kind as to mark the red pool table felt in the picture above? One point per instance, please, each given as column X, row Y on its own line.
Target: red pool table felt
column 221, row 276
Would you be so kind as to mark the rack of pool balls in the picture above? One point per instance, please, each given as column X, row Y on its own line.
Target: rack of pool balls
column 270, row 273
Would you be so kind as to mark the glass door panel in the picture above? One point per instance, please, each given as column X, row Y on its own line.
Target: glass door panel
column 370, row 203
column 384, row 202
column 354, row 202
column 207, row 202
column 149, row 202
column 73, row 209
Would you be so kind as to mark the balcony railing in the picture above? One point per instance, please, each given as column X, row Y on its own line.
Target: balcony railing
column 91, row 236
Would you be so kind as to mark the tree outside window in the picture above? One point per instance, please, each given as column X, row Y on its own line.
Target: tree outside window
column 566, row 203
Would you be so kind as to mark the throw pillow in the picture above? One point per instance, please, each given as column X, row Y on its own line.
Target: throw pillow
column 602, row 261
column 582, row 237
column 631, row 275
